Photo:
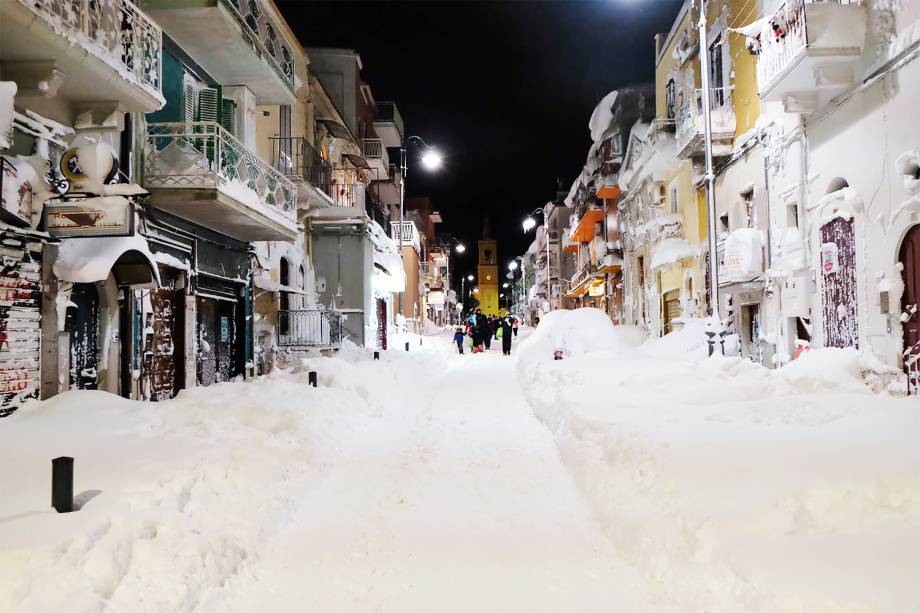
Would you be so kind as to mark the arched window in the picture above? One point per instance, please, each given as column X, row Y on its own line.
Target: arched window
column 302, row 286
column 836, row 184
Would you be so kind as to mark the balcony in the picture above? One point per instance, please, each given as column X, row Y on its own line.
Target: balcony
column 389, row 124
column 296, row 159
column 409, row 234
column 690, row 131
column 584, row 229
column 388, row 189
column 373, row 150
column 83, row 51
column 251, row 44
column 817, row 58
column 200, row 172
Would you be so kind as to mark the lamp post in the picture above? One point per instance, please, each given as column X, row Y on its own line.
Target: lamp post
column 463, row 285
column 528, row 225
column 460, row 248
column 431, row 160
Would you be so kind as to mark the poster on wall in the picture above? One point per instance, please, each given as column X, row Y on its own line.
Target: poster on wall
column 15, row 194
column 830, row 258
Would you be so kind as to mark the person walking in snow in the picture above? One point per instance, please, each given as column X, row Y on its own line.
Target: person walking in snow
column 459, row 337
column 506, row 326
column 515, row 323
column 488, row 330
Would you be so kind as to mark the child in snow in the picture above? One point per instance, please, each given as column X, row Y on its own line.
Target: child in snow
column 459, row 337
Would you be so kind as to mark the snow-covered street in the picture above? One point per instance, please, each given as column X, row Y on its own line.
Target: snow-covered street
column 430, row 481
column 421, row 482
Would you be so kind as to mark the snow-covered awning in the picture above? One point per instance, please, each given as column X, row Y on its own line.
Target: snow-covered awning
column 87, row 260
column 389, row 274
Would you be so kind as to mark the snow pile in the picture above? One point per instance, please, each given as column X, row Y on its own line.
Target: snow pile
column 602, row 116
column 731, row 487
column 82, row 261
column 672, row 250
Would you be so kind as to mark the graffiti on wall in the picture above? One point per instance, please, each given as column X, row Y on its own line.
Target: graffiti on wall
column 20, row 303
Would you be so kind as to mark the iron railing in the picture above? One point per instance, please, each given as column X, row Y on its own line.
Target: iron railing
column 690, row 116
column 373, row 149
column 116, row 31
column 309, row 328
column 295, row 157
column 266, row 35
column 387, row 112
column 410, row 234
column 202, row 154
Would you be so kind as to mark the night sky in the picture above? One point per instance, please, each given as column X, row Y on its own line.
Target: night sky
column 503, row 89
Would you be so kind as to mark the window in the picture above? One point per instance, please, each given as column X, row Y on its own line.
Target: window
column 674, row 203
column 716, row 72
column 671, row 99
column 284, row 305
column 792, row 215
column 749, row 208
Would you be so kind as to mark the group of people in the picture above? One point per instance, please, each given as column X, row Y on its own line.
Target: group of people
column 483, row 328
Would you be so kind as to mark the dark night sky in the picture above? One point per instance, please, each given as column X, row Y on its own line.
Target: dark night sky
column 504, row 89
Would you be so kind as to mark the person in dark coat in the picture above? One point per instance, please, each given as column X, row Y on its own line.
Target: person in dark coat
column 488, row 329
column 507, row 325
column 515, row 323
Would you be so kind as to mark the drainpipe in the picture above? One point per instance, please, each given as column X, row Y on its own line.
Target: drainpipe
column 710, row 175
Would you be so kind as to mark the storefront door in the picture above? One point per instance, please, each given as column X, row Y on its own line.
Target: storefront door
column 82, row 322
column 910, row 304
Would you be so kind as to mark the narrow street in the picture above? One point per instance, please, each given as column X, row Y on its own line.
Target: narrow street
column 472, row 511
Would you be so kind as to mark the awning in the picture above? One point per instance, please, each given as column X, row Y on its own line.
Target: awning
column 609, row 192
column 88, row 260
column 357, row 161
column 335, row 128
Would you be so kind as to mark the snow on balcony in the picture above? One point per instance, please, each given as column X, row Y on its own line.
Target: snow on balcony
column 123, row 44
column 410, row 234
column 809, row 51
column 252, row 48
column 199, row 171
column 691, row 128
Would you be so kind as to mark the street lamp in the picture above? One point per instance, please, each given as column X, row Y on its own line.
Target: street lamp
column 431, row 160
column 460, row 248
column 512, row 266
column 710, row 175
column 463, row 281
column 528, row 225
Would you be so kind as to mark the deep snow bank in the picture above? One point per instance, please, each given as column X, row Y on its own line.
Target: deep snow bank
column 180, row 496
column 736, row 488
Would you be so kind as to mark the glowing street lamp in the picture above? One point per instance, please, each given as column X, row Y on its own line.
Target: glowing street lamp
column 431, row 159
column 529, row 224
column 469, row 277
column 512, row 266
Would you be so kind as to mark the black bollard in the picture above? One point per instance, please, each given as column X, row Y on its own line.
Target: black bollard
column 376, row 355
column 62, row 484
column 311, row 378
column 407, row 345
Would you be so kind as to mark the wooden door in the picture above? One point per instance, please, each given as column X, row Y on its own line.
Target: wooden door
column 207, row 346
column 82, row 322
column 165, row 347
column 838, row 293
column 671, row 303
column 910, row 304
column 381, row 323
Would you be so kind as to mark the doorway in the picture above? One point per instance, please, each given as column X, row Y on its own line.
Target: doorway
column 909, row 257
column 82, row 322
column 838, row 291
column 216, row 341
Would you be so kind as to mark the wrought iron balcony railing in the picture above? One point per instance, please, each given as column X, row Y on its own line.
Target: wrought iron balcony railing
column 266, row 35
column 309, row 328
column 295, row 157
column 203, row 154
column 410, row 235
column 689, row 133
column 116, row 31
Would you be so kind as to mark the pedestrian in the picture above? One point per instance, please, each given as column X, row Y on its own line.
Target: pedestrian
column 487, row 332
column 477, row 325
column 459, row 337
column 514, row 325
column 507, row 325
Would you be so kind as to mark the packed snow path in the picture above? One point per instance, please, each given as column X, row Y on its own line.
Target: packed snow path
column 456, row 501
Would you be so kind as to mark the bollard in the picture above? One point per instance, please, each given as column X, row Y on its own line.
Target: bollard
column 376, row 355
column 407, row 345
column 419, row 342
column 311, row 378
column 557, row 355
column 62, row 484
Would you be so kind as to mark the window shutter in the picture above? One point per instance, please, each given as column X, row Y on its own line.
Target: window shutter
column 228, row 115
column 209, row 104
column 189, row 101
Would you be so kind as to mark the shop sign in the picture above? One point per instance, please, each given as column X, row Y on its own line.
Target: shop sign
column 75, row 218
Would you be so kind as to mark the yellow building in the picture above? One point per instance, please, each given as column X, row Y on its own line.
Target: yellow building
column 487, row 288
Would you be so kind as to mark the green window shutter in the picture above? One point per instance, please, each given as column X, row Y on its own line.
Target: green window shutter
column 209, row 104
column 228, row 115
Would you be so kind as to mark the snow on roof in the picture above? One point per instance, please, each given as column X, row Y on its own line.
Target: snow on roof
column 172, row 261
column 81, row 260
column 602, row 116
column 671, row 251
column 265, row 283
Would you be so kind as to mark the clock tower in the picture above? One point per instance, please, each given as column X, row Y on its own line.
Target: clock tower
column 488, row 271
